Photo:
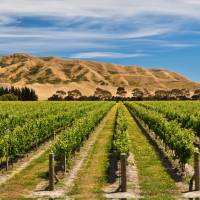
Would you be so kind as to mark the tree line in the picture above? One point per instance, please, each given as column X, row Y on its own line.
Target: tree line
column 14, row 94
column 27, row 94
column 137, row 94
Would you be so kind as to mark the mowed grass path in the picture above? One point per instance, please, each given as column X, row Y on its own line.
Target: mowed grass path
column 25, row 181
column 93, row 175
column 154, row 180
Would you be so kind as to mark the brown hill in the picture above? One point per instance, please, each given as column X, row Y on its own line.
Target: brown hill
column 48, row 74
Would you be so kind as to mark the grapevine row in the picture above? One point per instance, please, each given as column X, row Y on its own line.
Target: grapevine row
column 120, row 139
column 71, row 139
column 178, row 139
column 22, row 139
column 185, row 113
column 29, row 112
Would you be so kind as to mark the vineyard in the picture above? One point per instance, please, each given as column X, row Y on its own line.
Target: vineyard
column 149, row 149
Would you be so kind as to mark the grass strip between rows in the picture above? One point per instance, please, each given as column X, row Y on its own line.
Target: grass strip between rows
column 27, row 180
column 93, row 176
column 154, row 180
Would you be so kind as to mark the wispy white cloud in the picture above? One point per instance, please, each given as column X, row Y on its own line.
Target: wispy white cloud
column 99, row 24
column 53, row 33
column 36, row 40
column 103, row 8
column 179, row 45
column 106, row 55
column 4, row 20
column 107, row 16
column 148, row 32
column 41, row 46
column 167, row 43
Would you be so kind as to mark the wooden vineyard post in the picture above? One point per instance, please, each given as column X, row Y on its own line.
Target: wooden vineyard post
column 196, row 171
column 51, row 171
column 123, row 172
column 65, row 163
column 7, row 162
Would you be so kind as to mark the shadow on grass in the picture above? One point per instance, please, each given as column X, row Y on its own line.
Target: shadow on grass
column 112, row 169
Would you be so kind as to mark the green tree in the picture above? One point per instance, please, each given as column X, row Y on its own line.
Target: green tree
column 137, row 94
column 8, row 97
column 74, row 94
column 121, row 92
column 61, row 94
column 102, row 94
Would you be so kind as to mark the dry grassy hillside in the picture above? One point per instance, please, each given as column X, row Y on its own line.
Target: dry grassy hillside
column 48, row 74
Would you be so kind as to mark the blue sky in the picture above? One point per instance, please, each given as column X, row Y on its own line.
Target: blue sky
column 153, row 33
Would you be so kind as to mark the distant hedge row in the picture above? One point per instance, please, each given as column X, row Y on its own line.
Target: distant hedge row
column 14, row 94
